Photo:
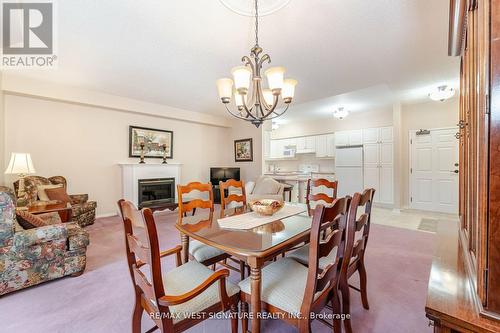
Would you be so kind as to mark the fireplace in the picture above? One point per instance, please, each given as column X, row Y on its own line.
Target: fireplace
column 157, row 191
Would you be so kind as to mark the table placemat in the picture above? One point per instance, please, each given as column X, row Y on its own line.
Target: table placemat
column 252, row 220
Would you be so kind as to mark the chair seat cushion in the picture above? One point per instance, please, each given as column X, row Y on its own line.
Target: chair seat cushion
column 302, row 255
column 185, row 278
column 283, row 285
column 202, row 252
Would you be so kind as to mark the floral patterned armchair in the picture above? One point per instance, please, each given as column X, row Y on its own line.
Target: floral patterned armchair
column 82, row 209
column 30, row 257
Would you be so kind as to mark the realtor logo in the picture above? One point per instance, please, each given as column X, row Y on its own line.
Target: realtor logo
column 28, row 34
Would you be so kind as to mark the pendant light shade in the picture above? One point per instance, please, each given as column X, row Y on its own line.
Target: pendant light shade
column 225, row 89
column 241, row 76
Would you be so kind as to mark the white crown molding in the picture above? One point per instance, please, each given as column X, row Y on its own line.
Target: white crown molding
column 24, row 86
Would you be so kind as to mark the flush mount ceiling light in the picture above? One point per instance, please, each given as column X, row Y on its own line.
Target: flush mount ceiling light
column 254, row 103
column 340, row 113
column 442, row 93
column 246, row 7
column 275, row 126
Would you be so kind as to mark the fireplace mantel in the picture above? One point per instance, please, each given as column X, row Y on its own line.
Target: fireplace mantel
column 132, row 172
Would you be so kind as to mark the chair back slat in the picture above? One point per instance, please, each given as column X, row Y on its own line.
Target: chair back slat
column 323, row 219
column 357, row 224
column 185, row 207
column 140, row 251
column 231, row 197
column 315, row 197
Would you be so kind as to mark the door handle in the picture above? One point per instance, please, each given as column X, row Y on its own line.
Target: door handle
column 454, row 171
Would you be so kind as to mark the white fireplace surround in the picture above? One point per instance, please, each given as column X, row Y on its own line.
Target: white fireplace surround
column 132, row 172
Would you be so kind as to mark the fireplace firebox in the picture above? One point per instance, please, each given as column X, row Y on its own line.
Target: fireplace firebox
column 157, row 191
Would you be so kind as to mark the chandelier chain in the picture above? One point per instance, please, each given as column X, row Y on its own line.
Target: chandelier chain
column 256, row 22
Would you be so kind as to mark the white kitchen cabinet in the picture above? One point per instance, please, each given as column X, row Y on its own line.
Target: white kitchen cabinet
column 349, row 138
column 267, row 144
column 342, row 138
column 325, row 145
column 274, row 149
column 305, row 144
column 378, row 170
column 377, row 135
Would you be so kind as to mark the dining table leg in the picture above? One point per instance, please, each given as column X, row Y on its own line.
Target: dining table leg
column 255, row 289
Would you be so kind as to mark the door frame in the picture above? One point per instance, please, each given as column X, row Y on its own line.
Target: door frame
column 411, row 134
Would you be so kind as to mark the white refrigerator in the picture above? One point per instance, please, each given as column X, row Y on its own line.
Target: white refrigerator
column 349, row 169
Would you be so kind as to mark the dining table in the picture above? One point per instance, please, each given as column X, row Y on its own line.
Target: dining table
column 254, row 246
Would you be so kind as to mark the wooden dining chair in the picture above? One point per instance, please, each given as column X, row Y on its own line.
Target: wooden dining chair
column 358, row 230
column 313, row 184
column 228, row 200
column 293, row 290
column 231, row 197
column 180, row 298
column 205, row 254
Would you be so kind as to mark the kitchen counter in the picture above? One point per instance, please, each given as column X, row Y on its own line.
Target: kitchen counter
column 298, row 180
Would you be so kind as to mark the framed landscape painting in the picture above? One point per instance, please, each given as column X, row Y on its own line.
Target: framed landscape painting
column 153, row 139
column 243, row 150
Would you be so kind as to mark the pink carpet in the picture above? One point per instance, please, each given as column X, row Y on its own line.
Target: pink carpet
column 398, row 265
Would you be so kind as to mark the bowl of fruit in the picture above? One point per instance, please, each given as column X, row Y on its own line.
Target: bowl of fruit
column 266, row 206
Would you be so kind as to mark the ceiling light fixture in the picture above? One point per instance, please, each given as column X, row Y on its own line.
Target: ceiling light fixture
column 340, row 113
column 442, row 93
column 254, row 103
column 275, row 126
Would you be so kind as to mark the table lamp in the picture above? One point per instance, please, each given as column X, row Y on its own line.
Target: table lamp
column 20, row 164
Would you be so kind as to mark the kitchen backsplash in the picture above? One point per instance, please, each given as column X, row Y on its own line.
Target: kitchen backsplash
column 325, row 165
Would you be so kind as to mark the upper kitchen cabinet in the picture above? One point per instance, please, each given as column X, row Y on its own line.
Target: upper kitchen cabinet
column 349, row 138
column 377, row 135
column 325, row 146
column 305, row 144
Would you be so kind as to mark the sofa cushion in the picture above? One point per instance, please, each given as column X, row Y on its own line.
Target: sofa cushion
column 266, row 185
column 29, row 221
column 42, row 195
column 58, row 193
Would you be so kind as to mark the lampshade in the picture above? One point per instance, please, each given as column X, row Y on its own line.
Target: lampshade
column 238, row 99
column 20, row 163
column 268, row 96
column 275, row 77
column 225, row 88
column 288, row 90
column 241, row 76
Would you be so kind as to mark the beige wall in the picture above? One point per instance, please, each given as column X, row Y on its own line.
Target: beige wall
column 86, row 143
column 423, row 116
column 375, row 118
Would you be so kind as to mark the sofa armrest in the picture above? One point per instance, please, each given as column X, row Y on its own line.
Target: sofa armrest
column 78, row 238
column 39, row 235
column 249, row 186
column 78, row 198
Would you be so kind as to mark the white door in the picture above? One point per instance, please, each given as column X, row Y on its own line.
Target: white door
column 386, row 134
column 433, row 174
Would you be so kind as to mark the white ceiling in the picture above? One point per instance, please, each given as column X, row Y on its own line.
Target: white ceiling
column 171, row 52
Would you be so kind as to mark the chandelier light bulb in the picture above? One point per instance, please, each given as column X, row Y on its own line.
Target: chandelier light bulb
column 225, row 88
column 275, row 78
column 442, row 93
column 288, row 90
column 241, row 76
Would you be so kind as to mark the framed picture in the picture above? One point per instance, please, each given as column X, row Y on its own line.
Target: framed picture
column 153, row 140
column 243, row 150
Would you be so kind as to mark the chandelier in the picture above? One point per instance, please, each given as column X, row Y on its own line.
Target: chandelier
column 253, row 102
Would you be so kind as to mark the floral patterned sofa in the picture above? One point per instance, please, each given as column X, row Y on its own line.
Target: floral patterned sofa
column 82, row 209
column 29, row 257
